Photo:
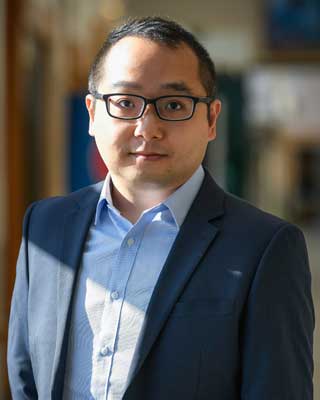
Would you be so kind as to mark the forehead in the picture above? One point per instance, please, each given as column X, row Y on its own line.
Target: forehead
column 150, row 65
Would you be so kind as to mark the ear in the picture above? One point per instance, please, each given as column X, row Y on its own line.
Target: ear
column 90, row 104
column 214, row 111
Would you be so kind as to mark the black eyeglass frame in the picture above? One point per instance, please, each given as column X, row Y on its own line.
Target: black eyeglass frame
column 195, row 100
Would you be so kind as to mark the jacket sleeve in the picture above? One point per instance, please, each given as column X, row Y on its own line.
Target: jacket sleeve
column 278, row 324
column 20, row 372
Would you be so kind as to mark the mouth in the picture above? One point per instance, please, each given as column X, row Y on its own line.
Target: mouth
column 146, row 156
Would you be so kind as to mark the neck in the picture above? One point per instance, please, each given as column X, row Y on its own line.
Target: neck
column 131, row 203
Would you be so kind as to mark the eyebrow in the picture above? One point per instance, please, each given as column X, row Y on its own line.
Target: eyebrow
column 177, row 86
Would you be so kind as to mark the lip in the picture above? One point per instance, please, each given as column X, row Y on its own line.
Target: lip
column 148, row 156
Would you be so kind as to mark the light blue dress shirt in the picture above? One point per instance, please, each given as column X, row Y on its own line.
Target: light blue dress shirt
column 120, row 266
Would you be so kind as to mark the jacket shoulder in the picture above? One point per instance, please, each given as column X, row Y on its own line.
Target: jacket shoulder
column 49, row 214
column 238, row 207
column 81, row 198
column 249, row 223
column 235, row 210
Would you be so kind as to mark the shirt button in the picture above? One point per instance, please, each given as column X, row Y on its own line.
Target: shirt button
column 105, row 351
column 114, row 295
column 130, row 242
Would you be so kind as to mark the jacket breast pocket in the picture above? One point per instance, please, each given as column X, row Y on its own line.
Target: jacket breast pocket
column 206, row 307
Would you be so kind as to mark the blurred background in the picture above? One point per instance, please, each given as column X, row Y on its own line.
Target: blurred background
column 267, row 54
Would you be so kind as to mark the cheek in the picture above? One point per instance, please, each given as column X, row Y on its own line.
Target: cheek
column 192, row 141
column 112, row 144
column 104, row 141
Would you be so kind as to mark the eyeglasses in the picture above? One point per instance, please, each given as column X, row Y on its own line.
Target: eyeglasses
column 169, row 108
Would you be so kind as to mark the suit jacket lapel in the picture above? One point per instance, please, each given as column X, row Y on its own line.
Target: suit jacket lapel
column 76, row 225
column 195, row 236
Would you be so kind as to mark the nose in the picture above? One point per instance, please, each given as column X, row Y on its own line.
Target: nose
column 149, row 126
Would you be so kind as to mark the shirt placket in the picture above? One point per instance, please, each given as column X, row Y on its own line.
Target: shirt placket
column 105, row 343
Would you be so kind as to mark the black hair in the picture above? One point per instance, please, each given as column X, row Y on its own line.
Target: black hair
column 160, row 30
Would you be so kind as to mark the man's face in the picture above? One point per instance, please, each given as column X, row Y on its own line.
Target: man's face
column 150, row 152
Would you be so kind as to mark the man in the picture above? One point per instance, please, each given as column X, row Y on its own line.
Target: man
column 157, row 284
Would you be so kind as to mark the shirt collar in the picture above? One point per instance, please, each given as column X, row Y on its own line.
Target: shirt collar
column 105, row 198
column 178, row 202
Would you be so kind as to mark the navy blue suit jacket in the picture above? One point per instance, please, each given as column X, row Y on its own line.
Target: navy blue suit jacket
column 231, row 316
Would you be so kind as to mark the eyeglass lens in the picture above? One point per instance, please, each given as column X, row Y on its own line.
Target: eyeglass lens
column 169, row 107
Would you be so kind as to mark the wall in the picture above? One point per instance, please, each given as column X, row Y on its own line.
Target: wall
column 211, row 20
column 2, row 197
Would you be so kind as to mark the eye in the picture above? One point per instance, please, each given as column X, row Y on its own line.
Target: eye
column 125, row 103
column 174, row 106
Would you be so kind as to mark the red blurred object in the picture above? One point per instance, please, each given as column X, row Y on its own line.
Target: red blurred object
column 96, row 166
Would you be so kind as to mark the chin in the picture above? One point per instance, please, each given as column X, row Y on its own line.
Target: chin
column 145, row 176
